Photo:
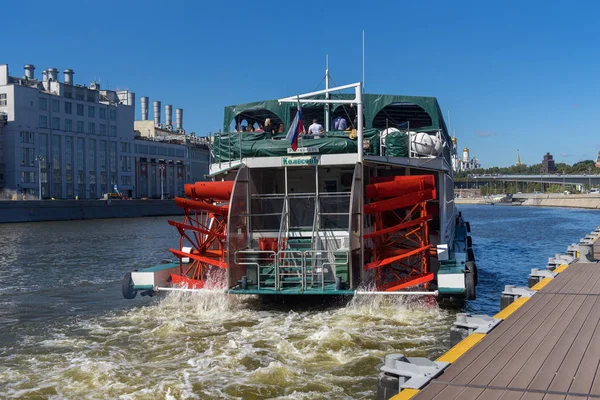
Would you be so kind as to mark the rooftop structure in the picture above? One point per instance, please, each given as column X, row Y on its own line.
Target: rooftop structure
column 548, row 166
column 62, row 139
column 166, row 148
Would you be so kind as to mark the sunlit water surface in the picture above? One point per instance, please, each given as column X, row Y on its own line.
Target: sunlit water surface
column 66, row 331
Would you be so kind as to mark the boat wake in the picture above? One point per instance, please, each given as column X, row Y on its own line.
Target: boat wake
column 213, row 345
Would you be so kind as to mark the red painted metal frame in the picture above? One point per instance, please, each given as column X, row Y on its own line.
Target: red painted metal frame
column 204, row 229
column 400, row 251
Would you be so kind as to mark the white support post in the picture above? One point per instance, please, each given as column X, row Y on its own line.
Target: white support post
column 327, row 118
column 359, row 128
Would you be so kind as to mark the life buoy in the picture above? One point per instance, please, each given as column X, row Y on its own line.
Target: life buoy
column 127, row 287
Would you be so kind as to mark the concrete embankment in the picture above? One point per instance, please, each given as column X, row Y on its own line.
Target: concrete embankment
column 65, row 210
column 545, row 200
column 573, row 201
column 474, row 200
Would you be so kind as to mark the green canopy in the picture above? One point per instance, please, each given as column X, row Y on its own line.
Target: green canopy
column 380, row 111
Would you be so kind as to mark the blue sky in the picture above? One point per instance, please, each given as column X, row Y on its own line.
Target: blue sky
column 514, row 75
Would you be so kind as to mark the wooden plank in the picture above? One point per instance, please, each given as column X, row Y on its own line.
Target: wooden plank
column 492, row 394
column 555, row 397
column 430, row 391
column 516, row 322
column 450, row 392
column 564, row 347
column 552, row 342
column 554, row 348
column 531, row 355
column 512, row 395
column 586, row 379
column 495, row 356
column 507, row 354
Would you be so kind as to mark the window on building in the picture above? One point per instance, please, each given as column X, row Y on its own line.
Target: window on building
column 43, row 104
column 44, row 148
column 68, row 125
column 92, row 128
column 56, row 153
column 79, row 95
column 68, row 95
column 80, row 109
column 125, row 147
column 68, row 107
column 113, row 114
column 79, row 126
column 69, row 153
column 91, row 111
column 56, row 163
column 125, row 163
column 113, row 131
column 102, row 113
column 102, row 130
column 3, row 100
column 27, row 137
column 125, row 180
column 55, row 105
column 43, row 121
column 27, row 157
column 55, row 123
column 91, row 97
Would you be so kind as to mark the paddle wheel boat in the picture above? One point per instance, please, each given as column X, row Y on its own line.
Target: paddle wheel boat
column 367, row 209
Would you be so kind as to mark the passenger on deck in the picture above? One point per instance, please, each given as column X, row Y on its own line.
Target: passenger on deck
column 250, row 127
column 340, row 124
column 270, row 128
column 316, row 129
column 260, row 129
column 281, row 128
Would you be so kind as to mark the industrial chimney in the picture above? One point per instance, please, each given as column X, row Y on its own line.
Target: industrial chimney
column 52, row 74
column 179, row 118
column 169, row 115
column 29, row 74
column 145, row 108
column 157, row 113
column 69, row 76
column 131, row 100
column 45, row 76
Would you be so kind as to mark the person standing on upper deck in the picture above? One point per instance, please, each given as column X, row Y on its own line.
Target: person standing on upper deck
column 316, row 129
column 340, row 124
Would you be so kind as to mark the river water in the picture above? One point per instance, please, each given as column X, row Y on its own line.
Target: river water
column 66, row 331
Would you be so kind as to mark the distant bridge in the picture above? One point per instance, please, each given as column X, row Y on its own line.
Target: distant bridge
column 560, row 179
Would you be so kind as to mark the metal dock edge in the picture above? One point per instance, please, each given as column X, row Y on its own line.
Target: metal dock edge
column 544, row 344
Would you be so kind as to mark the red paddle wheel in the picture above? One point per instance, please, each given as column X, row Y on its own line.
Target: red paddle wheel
column 204, row 229
column 400, row 237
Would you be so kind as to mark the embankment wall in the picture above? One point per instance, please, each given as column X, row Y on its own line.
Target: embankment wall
column 545, row 200
column 565, row 201
column 65, row 210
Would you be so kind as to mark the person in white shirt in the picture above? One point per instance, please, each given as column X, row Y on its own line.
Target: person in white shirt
column 315, row 129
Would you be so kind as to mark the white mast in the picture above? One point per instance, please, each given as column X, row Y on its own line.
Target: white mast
column 363, row 60
column 327, row 93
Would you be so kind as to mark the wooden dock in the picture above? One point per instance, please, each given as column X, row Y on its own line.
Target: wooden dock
column 548, row 348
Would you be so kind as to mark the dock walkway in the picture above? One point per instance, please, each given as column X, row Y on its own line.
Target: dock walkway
column 549, row 348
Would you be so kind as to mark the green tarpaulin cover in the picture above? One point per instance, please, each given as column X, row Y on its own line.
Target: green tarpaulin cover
column 233, row 146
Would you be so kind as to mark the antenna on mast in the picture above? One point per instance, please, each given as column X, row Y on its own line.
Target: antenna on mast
column 327, row 93
column 363, row 60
